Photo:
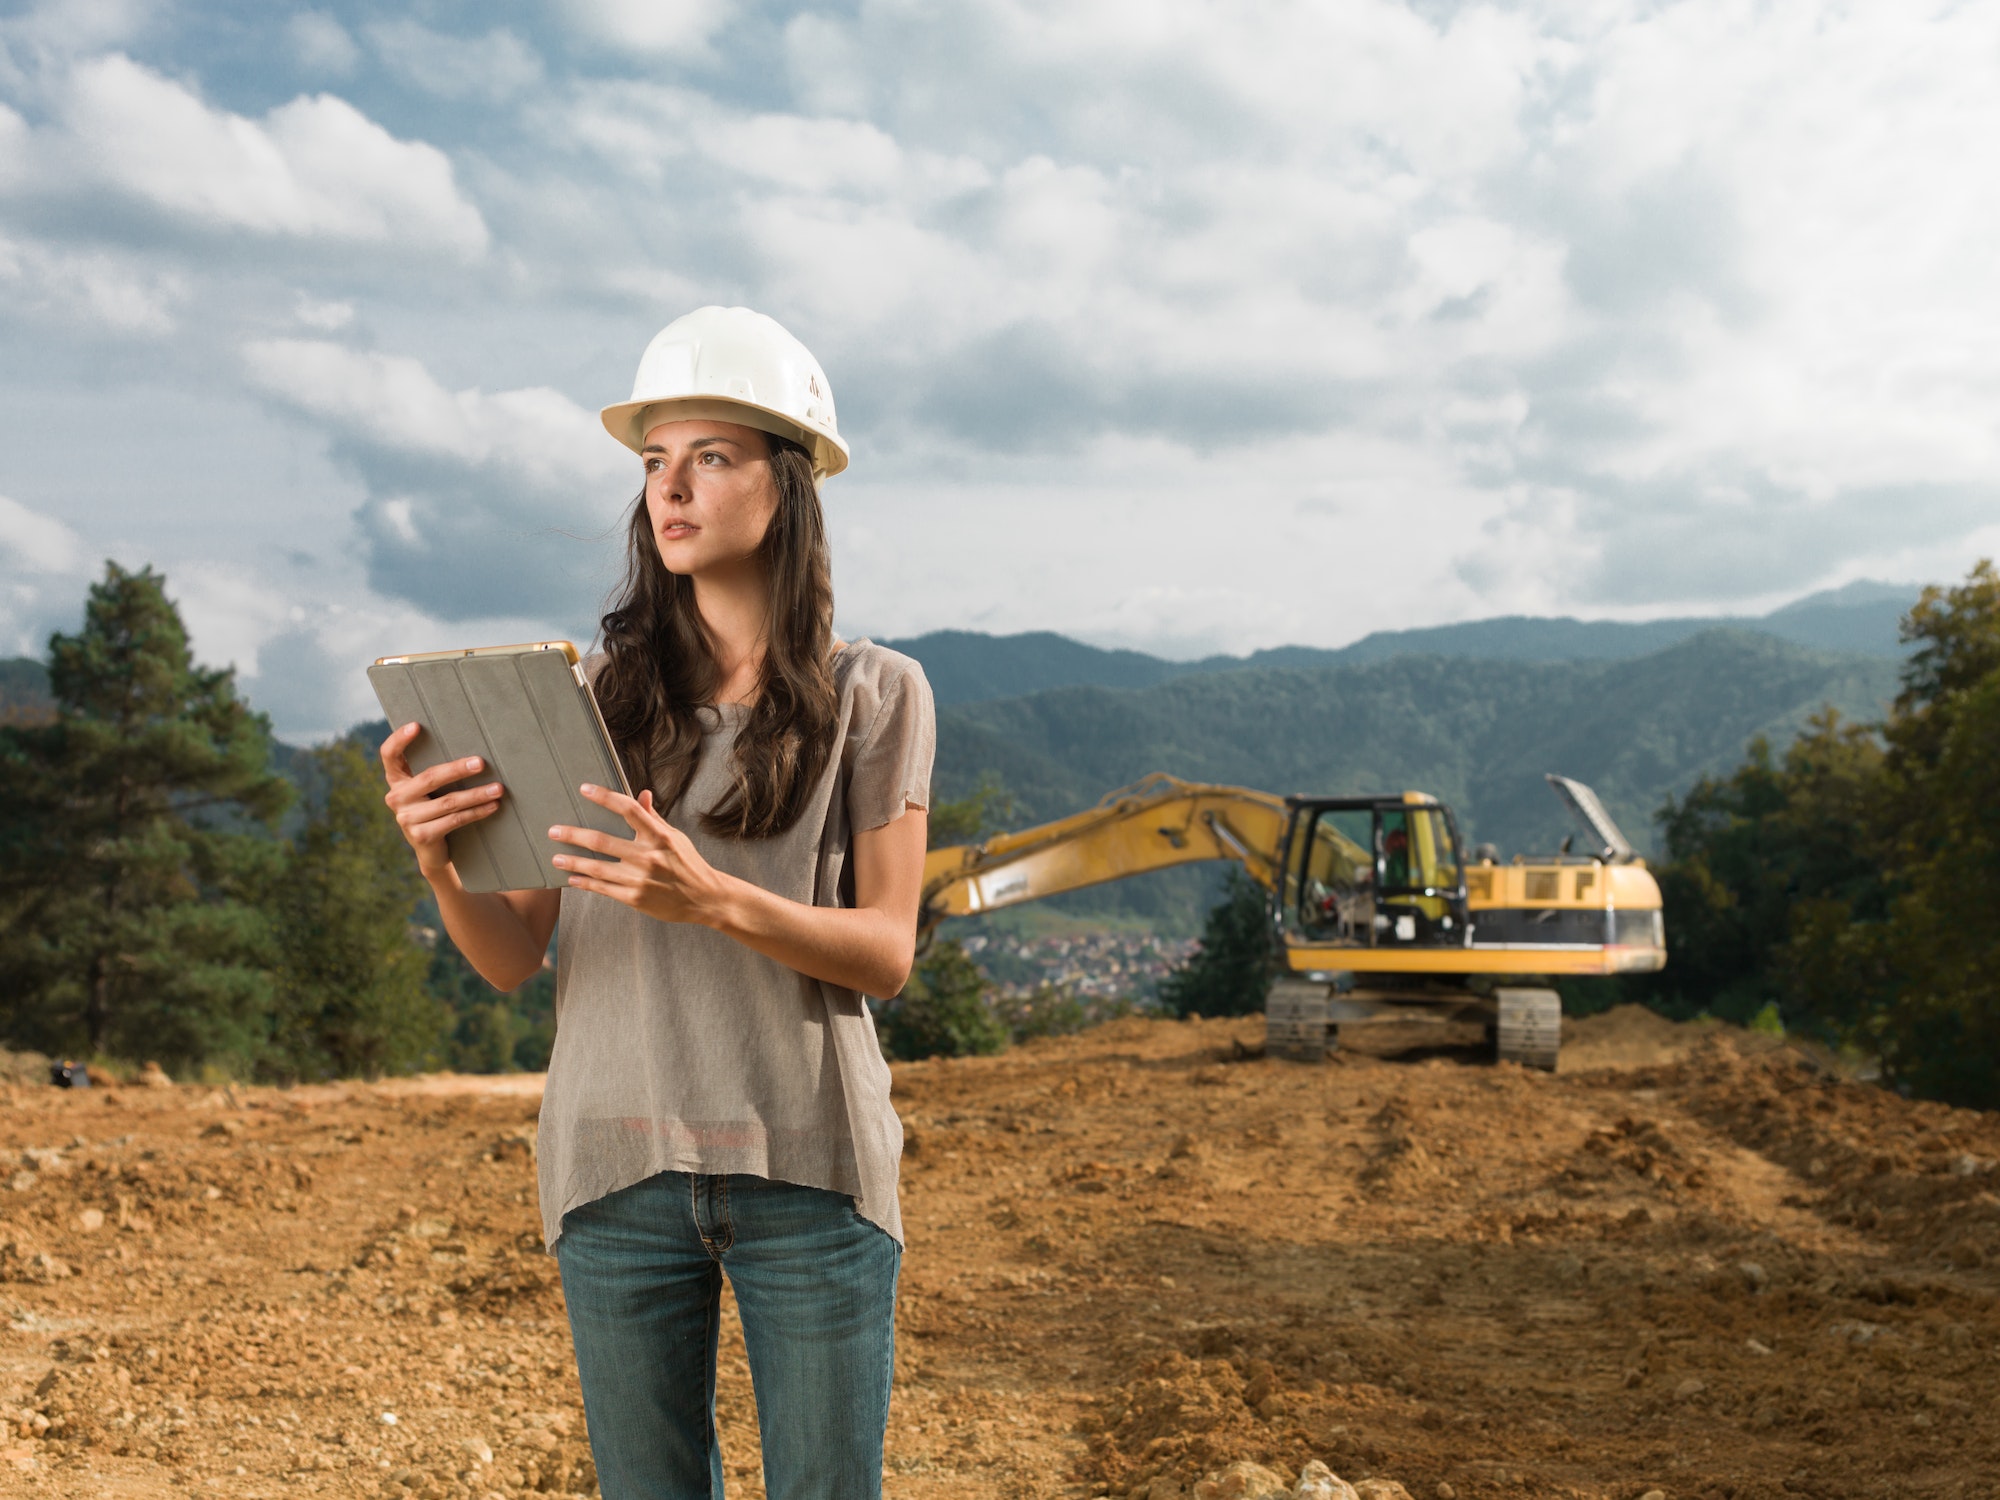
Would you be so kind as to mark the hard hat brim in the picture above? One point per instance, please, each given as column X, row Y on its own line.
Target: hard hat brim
column 625, row 423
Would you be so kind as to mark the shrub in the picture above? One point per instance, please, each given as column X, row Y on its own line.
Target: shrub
column 943, row 1011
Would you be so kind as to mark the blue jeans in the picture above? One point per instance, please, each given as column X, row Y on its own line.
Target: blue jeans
column 816, row 1287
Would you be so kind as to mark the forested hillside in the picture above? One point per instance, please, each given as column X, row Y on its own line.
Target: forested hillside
column 970, row 667
column 24, row 690
column 1476, row 729
column 1479, row 734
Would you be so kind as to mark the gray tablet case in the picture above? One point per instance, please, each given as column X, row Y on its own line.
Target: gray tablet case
column 527, row 711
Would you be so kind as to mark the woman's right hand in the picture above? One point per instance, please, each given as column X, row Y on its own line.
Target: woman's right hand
column 426, row 819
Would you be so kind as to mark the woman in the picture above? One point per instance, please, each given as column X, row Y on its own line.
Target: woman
column 716, row 1101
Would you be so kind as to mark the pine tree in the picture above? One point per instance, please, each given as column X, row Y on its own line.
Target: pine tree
column 352, row 997
column 134, row 839
column 1230, row 973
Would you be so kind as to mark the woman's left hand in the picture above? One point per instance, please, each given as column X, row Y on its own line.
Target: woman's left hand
column 657, row 871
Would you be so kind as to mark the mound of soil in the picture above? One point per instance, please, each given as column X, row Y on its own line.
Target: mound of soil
column 1694, row 1264
column 1631, row 1036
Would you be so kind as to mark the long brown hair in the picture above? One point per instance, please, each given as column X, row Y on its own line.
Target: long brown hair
column 660, row 675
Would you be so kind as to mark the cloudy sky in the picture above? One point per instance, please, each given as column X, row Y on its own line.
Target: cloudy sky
column 1184, row 326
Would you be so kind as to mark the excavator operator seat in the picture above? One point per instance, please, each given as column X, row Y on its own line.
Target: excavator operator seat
column 1374, row 873
column 1334, row 879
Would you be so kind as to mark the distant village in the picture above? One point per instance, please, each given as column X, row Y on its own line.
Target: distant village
column 1092, row 966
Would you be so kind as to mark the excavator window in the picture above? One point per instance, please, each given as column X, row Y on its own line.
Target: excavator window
column 1420, row 876
column 1375, row 876
column 1396, row 852
column 1333, row 877
column 1437, row 861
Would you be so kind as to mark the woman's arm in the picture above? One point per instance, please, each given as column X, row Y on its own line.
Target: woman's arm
column 503, row 934
column 867, row 947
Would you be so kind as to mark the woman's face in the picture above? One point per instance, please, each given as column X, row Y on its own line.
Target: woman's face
column 710, row 493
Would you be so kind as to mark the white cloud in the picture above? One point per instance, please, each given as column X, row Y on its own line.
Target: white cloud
column 1444, row 308
column 41, row 577
column 321, row 43
column 820, row 155
column 394, row 401
column 13, row 145
column 228, row 612
column 399, row 515
column 327, row 317
column 476, row 500
column 311, row 661
column 1316, row 538
column 69, row 27
column 303, row 660
column 1611, row 267
column 117, row 290
column 315, row 168
column 37, row 543
column 493, row 67
column 649, row 27
column 659, row 133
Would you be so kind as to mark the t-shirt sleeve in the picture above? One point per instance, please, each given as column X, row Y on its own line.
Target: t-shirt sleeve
column 892, row 763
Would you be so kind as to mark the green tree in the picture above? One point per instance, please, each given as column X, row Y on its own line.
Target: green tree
column 1780, row 848
column 971, row 817
column 1855, row 882
column 1955, row 636
column 1230, row 973
column 135, row 836
column 1939, row 1032
column 943, row 1011
column 491, row 1032
column 352, row 997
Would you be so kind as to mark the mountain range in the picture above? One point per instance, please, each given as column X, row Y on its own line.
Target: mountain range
column 1480, row 734
column 1473, row 713
column 970, row 667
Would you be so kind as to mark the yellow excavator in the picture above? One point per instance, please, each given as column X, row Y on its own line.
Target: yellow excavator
column 1378, row 914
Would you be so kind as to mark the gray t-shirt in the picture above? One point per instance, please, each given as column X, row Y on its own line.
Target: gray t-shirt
column 679, row 1049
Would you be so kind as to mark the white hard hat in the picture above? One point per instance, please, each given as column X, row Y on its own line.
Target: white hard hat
column 732, row 365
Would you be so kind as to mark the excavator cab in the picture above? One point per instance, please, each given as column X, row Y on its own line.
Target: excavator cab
column 1373, row 872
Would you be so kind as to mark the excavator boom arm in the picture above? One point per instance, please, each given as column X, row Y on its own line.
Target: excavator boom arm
column 1153, row 824
column 1543, row 916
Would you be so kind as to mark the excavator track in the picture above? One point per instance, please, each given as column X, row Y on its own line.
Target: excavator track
column 1528, row 1028
column 1304, row 1019
column 1295, row 1021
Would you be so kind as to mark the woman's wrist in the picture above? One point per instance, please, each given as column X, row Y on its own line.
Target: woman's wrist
column 732, row 911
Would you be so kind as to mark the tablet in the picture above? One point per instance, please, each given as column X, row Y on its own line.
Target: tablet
column 528, row 713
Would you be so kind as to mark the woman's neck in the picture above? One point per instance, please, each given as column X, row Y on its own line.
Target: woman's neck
column 736, row 612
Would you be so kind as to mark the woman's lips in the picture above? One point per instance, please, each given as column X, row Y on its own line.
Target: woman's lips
column 675, row 531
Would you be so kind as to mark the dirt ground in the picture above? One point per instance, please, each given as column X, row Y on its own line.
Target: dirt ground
column 1689, row 1263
